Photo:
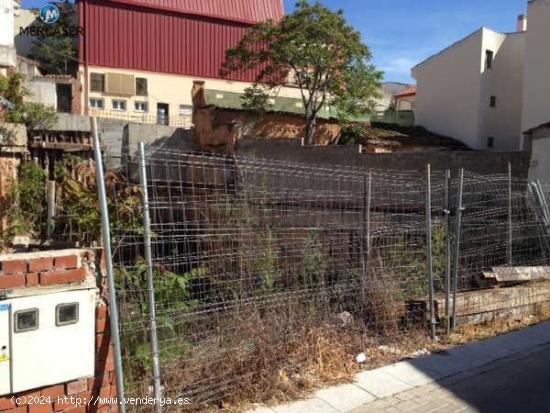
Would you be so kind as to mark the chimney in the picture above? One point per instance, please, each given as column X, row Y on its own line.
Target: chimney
column 197, row 95
column 522, row 23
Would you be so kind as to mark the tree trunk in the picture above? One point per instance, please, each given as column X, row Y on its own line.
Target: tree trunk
column 311, row 122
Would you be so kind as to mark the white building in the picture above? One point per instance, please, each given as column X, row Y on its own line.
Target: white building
column 7, row 48
column 489, row 87
column 472, row 90
column 536, row 85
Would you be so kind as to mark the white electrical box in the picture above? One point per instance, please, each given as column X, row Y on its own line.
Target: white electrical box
column 46, row 339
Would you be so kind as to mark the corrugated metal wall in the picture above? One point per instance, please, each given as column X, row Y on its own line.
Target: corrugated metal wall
column 240, row 10
column 129, row 37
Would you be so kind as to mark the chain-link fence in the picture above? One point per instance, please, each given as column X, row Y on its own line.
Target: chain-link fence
column 269, row 275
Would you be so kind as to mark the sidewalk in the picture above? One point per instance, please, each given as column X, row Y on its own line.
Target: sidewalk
column 415, row 379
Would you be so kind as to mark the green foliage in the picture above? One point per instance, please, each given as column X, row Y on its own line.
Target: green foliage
column 33, row 115
column 412, row 264
column 173, row 297
column 267, row 263
column 28, row 200
column 312, row 269
column 317, row 50
column 352, row 134
column 78, row 206
column 57, row 52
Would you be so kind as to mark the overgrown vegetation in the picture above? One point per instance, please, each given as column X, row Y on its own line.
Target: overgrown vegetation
column 77, row 217
column 32, row 115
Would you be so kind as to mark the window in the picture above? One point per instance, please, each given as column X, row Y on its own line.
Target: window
column 186, row 110
column 490, row 142
column 141, row 86
column 97, row 103
column 140, row 106
column 489, row 57
column 97, row 82
column 26, row 320
column 66, row 314
column 119, row 104
column 120, row 85
column 493, row 102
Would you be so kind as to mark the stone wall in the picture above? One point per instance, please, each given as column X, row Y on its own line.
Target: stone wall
column 481, row 162
column 220, row 129
column 33, row 273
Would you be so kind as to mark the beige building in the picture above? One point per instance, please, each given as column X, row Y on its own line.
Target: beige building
column 151, row 97
column 405, row 100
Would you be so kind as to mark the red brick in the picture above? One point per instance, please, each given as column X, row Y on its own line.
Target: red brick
column 101, row 325
column 63, row 277
column 40, row 408
column 102, row 340
column 14, row 267
column 63, row 404
column 53, row 391
column 32, row 280
column 41, row 264
column 79, row 409
column 68, row 262
column 99, row 381
column 27, row 397
column 101, row 312
column 12, row 281
column 6, row 403
column 20, row 409
column 77, row 386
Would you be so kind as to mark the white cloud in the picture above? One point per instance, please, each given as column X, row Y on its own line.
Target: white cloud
column 399, row 65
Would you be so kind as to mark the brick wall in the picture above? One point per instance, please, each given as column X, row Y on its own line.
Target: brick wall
column 45, row 270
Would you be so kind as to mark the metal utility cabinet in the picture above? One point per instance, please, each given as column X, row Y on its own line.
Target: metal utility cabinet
column 46, row 338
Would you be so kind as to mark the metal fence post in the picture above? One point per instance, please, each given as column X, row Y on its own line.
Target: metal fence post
column 106, row 232
column 369, row 197
column 459, row 210
column 150, row 285
column 510, row 223
column 447, row 212
column 429, row 251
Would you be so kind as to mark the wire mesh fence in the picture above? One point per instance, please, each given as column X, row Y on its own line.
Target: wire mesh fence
column 265, row 273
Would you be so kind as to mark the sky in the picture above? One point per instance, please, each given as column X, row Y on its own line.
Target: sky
column 402, row 33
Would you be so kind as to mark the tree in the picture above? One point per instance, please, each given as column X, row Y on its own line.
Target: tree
column 317, row 50
column 33, row 115
column 55, row 48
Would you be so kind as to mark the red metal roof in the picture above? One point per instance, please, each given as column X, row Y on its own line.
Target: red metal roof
column 119, row 35
column 247, row 11
column 410, row 91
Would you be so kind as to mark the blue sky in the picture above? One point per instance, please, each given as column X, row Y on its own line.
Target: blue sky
column 402, row 33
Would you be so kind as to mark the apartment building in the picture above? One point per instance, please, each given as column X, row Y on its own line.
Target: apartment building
column 141, row 57
column 487, row 89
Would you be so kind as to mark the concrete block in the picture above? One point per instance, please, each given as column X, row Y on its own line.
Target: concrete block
column 380, row 383
column 345, row 397
column 408, row 373
column 309, row 406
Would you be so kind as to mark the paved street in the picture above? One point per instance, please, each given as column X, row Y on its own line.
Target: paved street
column 521, row 385
column 509, row 373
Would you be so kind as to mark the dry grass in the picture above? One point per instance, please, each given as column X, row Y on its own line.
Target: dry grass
column 285, row 355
